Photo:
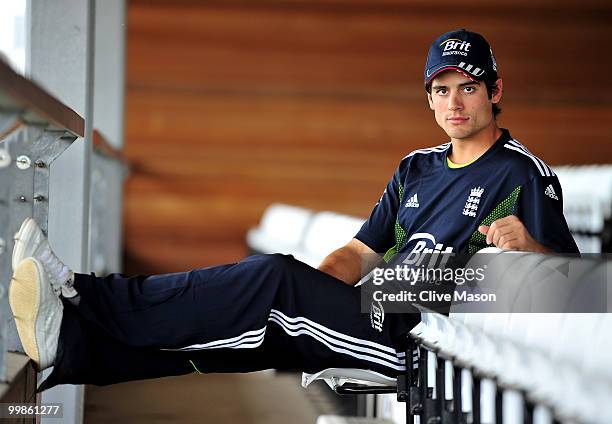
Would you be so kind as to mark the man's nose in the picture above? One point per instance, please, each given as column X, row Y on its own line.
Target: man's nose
column 454, row 101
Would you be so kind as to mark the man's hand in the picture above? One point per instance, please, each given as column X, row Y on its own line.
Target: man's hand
column 509, row 233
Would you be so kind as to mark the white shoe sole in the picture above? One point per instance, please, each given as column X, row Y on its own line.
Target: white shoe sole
column 32, row 302
column 27, row 230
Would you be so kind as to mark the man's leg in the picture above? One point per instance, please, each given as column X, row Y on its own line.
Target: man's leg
column 268, row 311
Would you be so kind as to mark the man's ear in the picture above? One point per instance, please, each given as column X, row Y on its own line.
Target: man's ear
column 498, row 91
column 430, row 100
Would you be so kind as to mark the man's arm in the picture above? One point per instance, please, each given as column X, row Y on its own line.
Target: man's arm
column 350, row 262
column 538, row 224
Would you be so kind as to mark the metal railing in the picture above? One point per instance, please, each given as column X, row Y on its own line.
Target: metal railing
column 35, row 130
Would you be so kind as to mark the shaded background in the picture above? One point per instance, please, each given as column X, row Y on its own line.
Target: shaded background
column 233, row 105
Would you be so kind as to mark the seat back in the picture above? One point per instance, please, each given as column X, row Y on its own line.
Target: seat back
column 281, row 230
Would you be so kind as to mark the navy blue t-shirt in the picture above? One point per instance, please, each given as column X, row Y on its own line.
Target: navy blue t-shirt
column 428, row 205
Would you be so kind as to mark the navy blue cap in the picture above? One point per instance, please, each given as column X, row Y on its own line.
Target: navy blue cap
column 465, row 51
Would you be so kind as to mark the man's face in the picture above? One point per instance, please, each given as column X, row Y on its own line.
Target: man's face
column 462, row 106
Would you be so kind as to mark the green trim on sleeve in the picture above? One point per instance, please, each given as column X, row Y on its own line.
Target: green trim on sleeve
column 400, row 233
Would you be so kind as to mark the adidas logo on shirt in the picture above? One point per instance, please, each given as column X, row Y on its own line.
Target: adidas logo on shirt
column 413, row 202
column 550, row 192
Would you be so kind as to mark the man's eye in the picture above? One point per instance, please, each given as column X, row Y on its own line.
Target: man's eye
column 469, row 89
column 441, row 91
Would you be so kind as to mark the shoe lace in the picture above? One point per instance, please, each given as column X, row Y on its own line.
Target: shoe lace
column 59, row 274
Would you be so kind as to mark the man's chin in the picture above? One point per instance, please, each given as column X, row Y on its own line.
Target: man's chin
column 458, row 133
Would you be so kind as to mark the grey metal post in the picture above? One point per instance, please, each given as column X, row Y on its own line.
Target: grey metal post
column 107, row 178
column 109, row 84
column 60, row 57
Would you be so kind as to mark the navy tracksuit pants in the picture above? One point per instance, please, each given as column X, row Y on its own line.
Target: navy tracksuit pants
column 267, row 311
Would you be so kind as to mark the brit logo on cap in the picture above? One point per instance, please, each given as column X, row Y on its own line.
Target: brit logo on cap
column 455, row 46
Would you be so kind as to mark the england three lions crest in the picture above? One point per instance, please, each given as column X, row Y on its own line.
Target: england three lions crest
column 473, row 200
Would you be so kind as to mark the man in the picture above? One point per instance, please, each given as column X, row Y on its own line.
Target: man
column 482, row 188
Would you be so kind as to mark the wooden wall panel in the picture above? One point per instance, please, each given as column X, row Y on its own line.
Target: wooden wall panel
column 233, row 105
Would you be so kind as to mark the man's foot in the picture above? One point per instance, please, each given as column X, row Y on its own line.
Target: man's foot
column 37, row 310
column 31, row 242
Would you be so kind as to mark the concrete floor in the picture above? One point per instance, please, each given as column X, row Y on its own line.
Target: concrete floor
column 208, row 398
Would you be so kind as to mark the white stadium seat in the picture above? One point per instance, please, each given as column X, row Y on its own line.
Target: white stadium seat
column 303, row 233
column 281, row 230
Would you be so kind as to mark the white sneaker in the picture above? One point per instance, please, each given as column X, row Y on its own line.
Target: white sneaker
column 37, row 311
column 31, row 242
column 28, row 240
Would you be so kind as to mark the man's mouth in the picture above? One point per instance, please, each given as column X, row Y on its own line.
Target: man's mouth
column 457, row 119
